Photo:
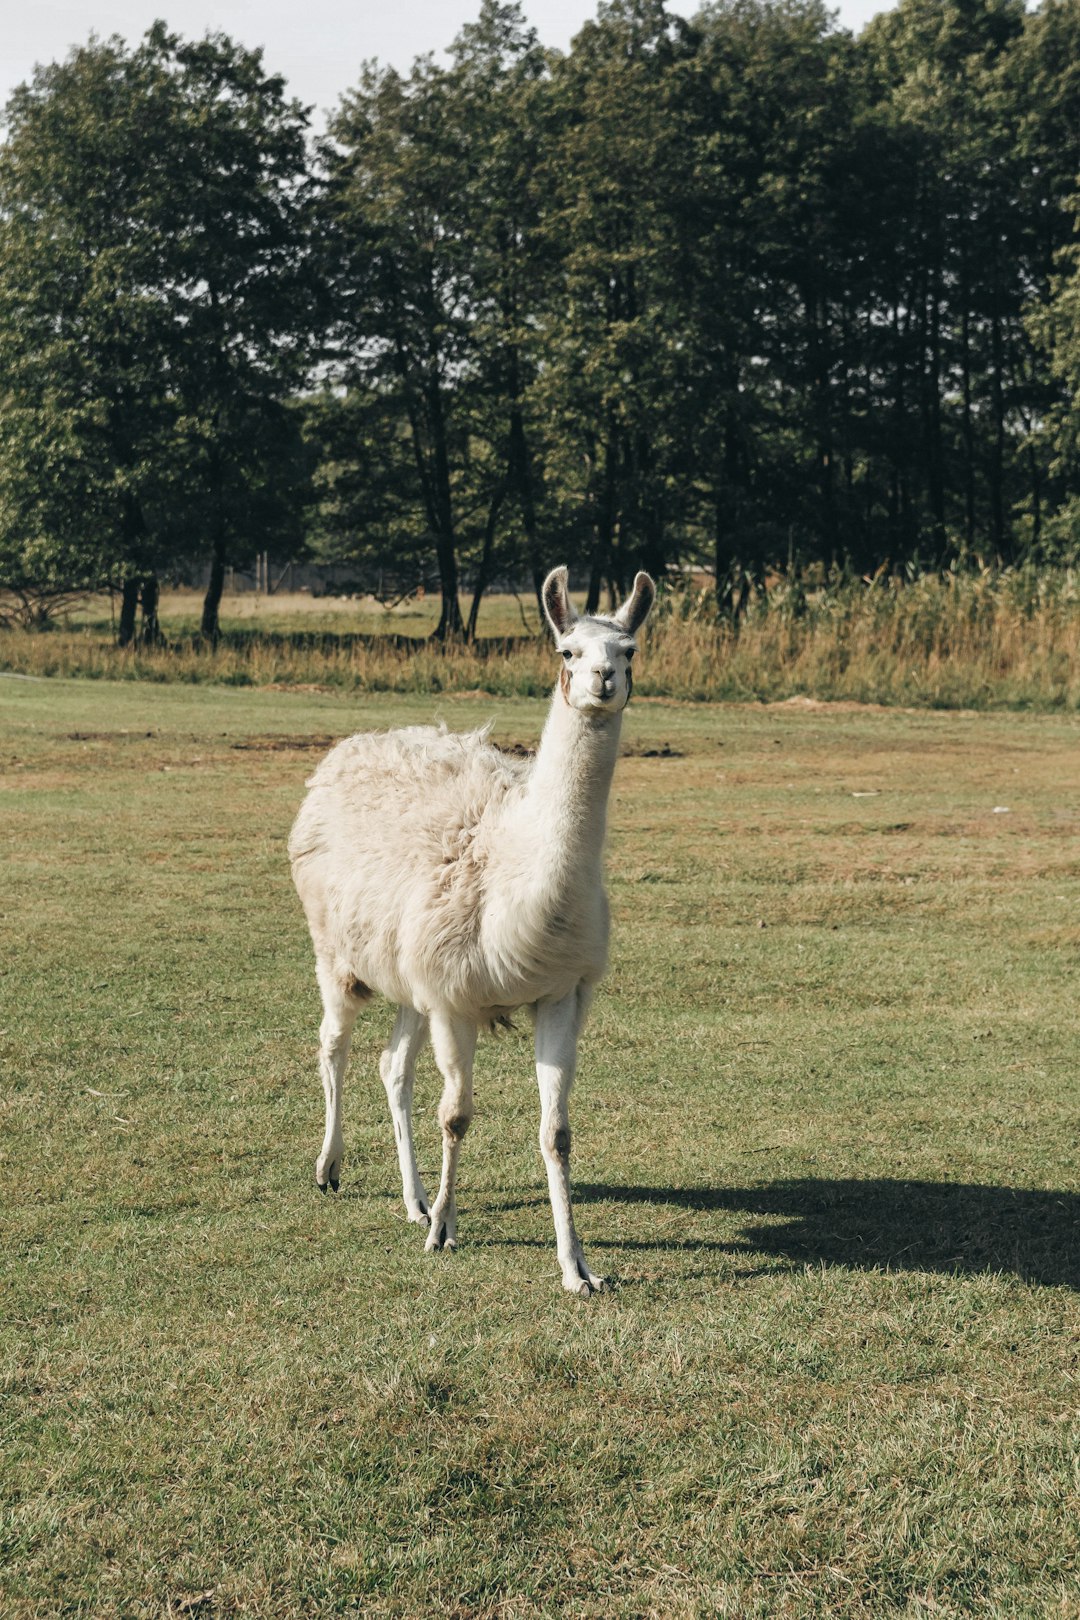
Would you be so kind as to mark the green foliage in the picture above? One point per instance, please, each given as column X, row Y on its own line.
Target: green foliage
column 1056, row 327
column 617, row 353
column 84, row 421
column 155, row 304
column 430, row 212
column 743, row 292
column 366, row 505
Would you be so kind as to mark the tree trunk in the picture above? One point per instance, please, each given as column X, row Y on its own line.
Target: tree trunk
column 151, row 625
column 605, row 525
column 129, row 603
column 934, row 452
column 820, row 347
column 969, row 430
column 450, row 622
column 134, row 533
column 899, row 502
column 483, row 574
column 446, row 554
column 427, row 424
column 209, row 628
column 732, row 583
column 520, row 470
column 997, row 460
column 1036, row 498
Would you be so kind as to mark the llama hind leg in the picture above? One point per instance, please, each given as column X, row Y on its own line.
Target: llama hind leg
column 557, row 1027
column 397, row 1067
column 340, row 1007
column 454, row 1041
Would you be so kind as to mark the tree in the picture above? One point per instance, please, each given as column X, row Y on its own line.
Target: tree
column 745, row 289
column 499, row 94
column 1042, row 83
column 613, row 377
column 367, row 507
column 155, row 309
column 769, row 229
column 431, row 220
column 393, row 168
column 85, row 418
column 245, row 302
column 949, row 301
column 1055, row 327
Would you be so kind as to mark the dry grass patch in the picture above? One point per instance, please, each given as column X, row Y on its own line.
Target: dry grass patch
column 983, row 641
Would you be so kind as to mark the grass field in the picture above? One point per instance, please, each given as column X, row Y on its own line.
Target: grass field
column 288, row 612
column 825, row 1137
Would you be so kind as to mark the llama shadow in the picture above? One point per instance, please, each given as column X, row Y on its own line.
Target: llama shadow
column 890, row 1225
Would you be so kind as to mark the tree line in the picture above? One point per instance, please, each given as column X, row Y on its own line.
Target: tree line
column 743, row 292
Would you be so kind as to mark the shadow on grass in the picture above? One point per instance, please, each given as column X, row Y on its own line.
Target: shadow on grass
column 893, row 1225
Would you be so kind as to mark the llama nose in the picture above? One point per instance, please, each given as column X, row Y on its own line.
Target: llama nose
column 606, row 673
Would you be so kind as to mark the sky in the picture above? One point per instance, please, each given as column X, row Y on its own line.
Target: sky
column 317, row 44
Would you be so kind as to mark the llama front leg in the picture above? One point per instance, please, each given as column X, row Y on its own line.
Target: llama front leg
column 454, row 1043
column 558, row 1024
column 398, row 1067
column 340, row 1008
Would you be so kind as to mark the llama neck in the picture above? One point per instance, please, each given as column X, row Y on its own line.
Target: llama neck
column 567, row 796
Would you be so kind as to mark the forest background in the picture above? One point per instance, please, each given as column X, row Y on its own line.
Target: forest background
column 746, row 297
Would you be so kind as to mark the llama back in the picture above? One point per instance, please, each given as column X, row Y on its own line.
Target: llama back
column 389, row 848
column 373, row 785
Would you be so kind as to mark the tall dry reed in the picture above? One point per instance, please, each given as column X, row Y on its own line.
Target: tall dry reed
column 1000, row 639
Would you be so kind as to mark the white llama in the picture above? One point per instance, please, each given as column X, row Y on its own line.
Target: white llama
column 462, row 884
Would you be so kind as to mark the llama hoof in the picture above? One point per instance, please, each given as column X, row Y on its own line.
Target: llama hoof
column 583, row 1282
column 585, row 1289
column 440, row 1237
column 419, row 1214
column 328, row 1170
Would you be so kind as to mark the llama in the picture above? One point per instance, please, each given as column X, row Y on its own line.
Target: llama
column 463, row 884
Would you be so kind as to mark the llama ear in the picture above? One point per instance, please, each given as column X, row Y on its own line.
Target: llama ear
column 635, row 610
column 556, row 599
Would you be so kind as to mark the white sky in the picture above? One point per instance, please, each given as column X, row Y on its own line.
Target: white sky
column 317, row 44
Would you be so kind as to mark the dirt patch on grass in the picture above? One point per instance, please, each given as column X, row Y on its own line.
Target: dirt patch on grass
column 822, row 705
column 282, row 745
column 108, row 736
column 522, row 750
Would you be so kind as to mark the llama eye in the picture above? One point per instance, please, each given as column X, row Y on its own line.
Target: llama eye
column 567, row 654
column 630, row 651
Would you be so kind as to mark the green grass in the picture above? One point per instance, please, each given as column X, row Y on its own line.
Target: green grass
column 291, row 612
column 825, row 1136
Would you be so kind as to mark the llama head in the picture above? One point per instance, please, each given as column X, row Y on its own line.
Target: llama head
column 596, row 651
